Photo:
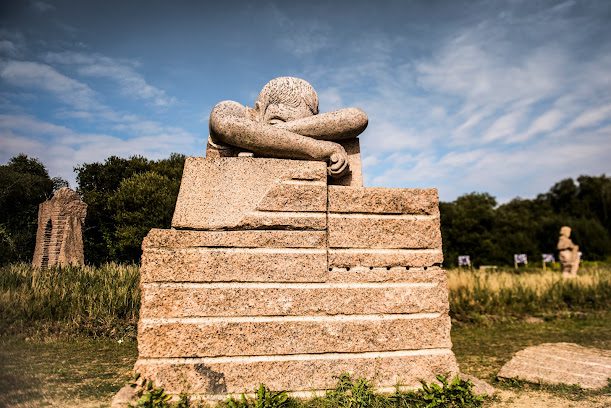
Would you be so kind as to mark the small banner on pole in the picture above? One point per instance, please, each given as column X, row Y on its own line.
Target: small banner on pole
column 464, row 260
column 548, row 258
column 520, row 259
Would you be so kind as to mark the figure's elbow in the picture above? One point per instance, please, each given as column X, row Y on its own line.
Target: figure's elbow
column 220, row 119
column 360, row 119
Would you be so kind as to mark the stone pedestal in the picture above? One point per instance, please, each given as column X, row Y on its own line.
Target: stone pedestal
column 270, row 275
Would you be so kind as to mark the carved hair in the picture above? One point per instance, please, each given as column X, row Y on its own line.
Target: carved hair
column 290, row 91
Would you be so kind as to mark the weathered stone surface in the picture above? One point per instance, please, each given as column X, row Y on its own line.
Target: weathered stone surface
column 560, row 363
column 375, row 258
column 172, row 238
column 383, row 231
column 285, row 123
column 355, row 177
column 233, row 265
column 275, row 299
column 214, row 376
column 568, row 253
column 290, row 220
column 378, row 200
column 262, row 283
column 295, row 195
column 59, row 237
column 387, row 274
column 214, row 337
column 125, row 396
column 480, row 387
column 220, row 193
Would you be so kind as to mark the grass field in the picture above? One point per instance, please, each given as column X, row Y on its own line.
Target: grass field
column 64, row 371
column 68, row 339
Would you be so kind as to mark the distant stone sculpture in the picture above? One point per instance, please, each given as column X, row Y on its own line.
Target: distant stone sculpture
column 568, row 253
column 285, row 123
column 59, row 238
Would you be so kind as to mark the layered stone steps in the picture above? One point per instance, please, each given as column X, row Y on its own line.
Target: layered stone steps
column 291, row 282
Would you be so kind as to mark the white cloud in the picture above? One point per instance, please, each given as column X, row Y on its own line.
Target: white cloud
column 592, row 117
column 130, row 82
column 504, row 127
column 46, row 78
column 61, row 148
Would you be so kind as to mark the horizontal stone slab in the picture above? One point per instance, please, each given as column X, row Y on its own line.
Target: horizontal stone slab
column 219, row 376
column 233, row 265
column 560, row 363
column 380, row 200
column 388, row 274
column 288, row 220
column 217, row 194
column 384, row 231
column 173, row 238
column 295, row 195
column 375, row 258
column 290, row 299
column 247, row 336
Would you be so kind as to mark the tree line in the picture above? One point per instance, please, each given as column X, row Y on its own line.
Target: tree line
column 128, row 197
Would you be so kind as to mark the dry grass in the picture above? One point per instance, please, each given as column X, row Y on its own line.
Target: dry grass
column 95, row 301
column 474, row 294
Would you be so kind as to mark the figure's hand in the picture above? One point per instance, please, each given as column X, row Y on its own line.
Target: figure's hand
column 338, row 162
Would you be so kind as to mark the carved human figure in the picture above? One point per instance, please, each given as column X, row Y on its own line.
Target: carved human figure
column 285, row 123
column 568, row 253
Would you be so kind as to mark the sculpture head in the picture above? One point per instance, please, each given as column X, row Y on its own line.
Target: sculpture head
column 565, row 231
column 284, row 99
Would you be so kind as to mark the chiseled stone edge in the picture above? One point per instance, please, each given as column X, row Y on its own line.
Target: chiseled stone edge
column 233, row 265
column 379, row 200
column 202, row 264
column 295, row 195
column 248, row 336
column 173, row 238
column 290, row 299
column 213, row 376
column 384, row 258
column 233, row 194
column 384, row 231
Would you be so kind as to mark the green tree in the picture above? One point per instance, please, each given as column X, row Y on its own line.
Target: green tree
column 98, row 183
column 143, row 201
column 24, row 184
column 467, row 225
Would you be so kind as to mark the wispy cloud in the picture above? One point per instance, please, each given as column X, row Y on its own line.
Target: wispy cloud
column 43, row 77
column 61, row 147
column 131, row 83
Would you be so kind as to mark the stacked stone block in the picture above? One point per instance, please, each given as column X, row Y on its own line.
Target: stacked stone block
column 270, row 275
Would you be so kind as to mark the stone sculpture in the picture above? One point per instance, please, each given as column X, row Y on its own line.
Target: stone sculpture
column 59, row 238
column 285, row 123
column 568, row 253
column 274, row 274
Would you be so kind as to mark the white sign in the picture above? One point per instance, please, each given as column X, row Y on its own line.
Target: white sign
column 548, row 258
column 464, row 260
column 520, row 259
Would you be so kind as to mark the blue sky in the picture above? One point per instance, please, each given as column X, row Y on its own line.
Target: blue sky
column 505, row 97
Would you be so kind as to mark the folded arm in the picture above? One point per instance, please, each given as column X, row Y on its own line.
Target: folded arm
column 230, row 125
column 342, row 124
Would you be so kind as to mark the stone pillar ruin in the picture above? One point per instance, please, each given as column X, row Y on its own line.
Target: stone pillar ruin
column 271, row 275
column 59, row 238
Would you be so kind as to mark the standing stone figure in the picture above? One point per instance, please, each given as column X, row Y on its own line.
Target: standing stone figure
column 59, row 238
column 285, row 123
column 568, row 253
